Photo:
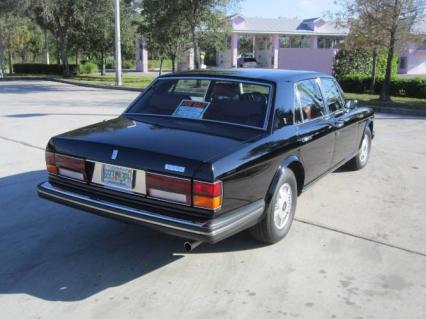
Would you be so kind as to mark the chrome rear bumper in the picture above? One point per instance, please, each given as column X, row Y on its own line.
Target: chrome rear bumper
column 208, row 230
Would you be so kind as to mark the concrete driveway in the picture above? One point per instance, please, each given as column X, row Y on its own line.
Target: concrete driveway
column 357, row 249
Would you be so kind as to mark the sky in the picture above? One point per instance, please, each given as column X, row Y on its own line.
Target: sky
column 286, row 8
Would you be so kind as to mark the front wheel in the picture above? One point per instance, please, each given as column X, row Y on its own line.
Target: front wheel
column 361, row 159
column 280, row 211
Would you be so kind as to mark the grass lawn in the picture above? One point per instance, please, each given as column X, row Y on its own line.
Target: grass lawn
column 129, row 80
column 401, row 102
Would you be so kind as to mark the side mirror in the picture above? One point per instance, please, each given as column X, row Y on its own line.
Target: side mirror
column 351, row 103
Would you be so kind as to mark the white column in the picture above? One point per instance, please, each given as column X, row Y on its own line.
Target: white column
column 275, row 48
column 314, row 44
column 46, row 48
column 234, row 50
column 141, row 55
column 118, row 77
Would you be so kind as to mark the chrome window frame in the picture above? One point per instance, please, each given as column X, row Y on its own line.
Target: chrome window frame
column 211, row 78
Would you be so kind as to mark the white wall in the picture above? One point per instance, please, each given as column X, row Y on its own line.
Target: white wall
column 416, row 62
column 309, row 59
column 223, row 59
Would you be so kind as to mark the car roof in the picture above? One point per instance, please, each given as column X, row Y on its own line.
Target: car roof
column 271, row 75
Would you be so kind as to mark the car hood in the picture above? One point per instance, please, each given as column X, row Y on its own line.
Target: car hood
column 150, row 143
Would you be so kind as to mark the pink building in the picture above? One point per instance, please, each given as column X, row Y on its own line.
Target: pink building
column 308, row 44
column 412, row 59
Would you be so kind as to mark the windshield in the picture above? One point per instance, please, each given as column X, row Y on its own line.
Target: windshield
column 235, row 102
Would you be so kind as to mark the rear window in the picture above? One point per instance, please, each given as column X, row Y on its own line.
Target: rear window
column 233, row 102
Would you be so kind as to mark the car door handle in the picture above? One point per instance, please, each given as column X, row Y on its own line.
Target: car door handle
column 305, row 139
column 339, row 124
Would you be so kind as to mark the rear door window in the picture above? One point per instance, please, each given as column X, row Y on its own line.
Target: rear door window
column 310, row 99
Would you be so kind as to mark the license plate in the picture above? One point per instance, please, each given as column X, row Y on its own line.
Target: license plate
column 117, row 176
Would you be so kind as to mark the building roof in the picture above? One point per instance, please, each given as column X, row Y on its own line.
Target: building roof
column 270, row 75
column 316, row 26
column 420, row 27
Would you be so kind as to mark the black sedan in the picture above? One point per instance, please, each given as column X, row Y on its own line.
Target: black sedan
column 206, row 154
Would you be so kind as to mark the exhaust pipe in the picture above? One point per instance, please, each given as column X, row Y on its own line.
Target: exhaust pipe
column 191, row 245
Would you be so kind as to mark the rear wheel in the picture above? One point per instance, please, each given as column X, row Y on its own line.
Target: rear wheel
column 280, row 212
column 361, row 159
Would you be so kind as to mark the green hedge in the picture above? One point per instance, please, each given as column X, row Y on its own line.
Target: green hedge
column 414, row 87
column 359, row 61
column 39, row 68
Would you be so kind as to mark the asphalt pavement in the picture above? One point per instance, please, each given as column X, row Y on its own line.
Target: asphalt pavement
column 356, row 250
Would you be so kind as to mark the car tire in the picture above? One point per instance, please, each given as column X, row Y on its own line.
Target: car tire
column 279, row 212
column 361, row 159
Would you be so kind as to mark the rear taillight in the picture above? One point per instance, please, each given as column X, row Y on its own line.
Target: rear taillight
column 50, row 163
column 169, row 188
column 67, row 166
column 207, row 195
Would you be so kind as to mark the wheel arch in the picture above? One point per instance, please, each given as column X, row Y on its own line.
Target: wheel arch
column 370, row 125
column 293, row 163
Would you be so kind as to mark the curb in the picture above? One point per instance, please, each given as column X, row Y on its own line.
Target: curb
column 107, row 87
column 399, row 111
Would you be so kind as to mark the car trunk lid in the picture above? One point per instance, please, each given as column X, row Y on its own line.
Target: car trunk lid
column 163, row 145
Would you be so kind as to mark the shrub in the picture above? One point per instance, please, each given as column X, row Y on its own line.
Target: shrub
column 87, row 68
column 39, row 68
column 359, row 61
column 413, row 87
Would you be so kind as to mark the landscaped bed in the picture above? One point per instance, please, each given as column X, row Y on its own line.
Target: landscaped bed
column 397, row 102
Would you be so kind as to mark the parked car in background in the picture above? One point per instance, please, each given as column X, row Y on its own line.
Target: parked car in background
column 247, row 62
column 206, row 154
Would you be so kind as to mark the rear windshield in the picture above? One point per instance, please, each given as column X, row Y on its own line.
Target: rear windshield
column 234, row 102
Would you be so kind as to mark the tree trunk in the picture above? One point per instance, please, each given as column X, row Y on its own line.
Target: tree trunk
column 64, row 55
column 58, row 52
column 102, row 62
column 161, row 65
column 385, row 94
column 9, row 55
column 173, row 57
column 373, row 70
column 1, row 56
column 77, row 56
column 196, row 49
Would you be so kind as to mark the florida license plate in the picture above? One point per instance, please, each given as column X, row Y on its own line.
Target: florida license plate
column 117, row 176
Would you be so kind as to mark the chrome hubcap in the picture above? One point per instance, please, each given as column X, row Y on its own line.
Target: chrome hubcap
column 282, row 207
column 363, row 152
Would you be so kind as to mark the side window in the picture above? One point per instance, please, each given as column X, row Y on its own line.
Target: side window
column 310, row 98
column 332, row 95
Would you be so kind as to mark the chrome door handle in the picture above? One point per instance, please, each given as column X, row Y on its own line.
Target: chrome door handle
column 339, row 124
column 305, row 139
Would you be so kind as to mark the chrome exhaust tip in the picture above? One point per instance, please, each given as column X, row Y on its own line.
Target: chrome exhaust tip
column 191, row 245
